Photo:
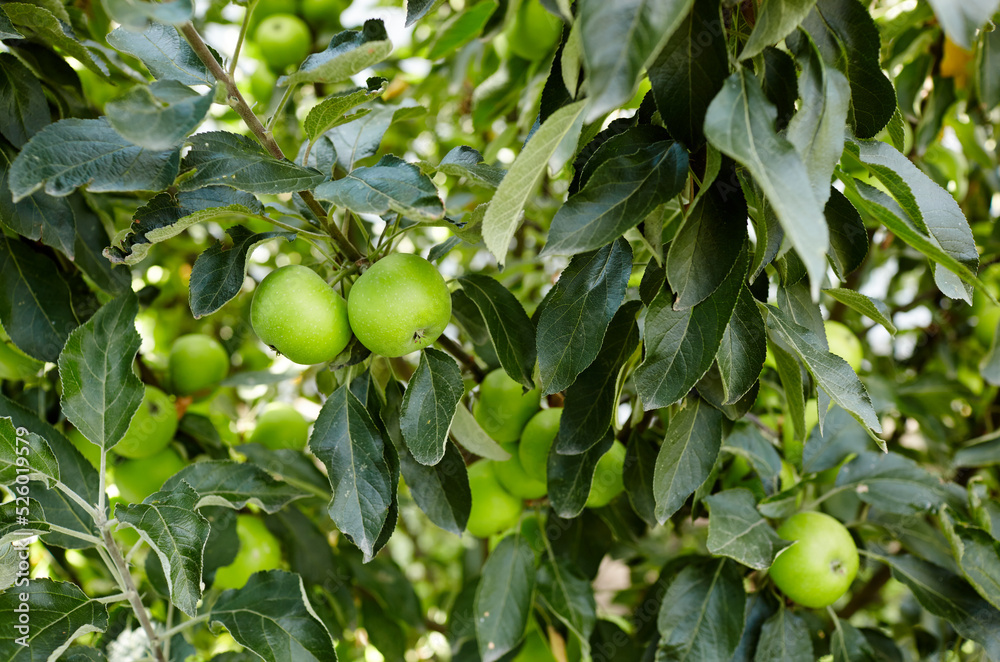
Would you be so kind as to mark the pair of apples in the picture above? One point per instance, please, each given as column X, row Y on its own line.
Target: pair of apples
column 401, row 304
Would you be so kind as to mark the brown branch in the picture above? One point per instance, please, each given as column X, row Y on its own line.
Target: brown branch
column 239, row 104
column 866, row 593
column 453, row 348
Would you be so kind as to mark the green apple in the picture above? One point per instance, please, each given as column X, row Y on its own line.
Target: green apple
column 137, row 479
column 536, row 440
column 90, row 451
column 821, row 565
column 399, row 305
column 535, row 649
column 262, row 82
column 281, row 425
column 534, row 32
column 515, row 479
column 299, row 315
column 267, row 8
column 259, row 550
column 844, row 343
column 322, row 13
column 608, row 480
column 197, row 364
column 284, row 40
column 493, row 508
column 503, row 408
column 152, row 427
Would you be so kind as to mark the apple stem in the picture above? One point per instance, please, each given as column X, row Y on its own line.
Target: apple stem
column 453, row 348
column 243, row 33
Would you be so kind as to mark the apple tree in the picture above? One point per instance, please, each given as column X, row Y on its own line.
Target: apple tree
column 499, row 330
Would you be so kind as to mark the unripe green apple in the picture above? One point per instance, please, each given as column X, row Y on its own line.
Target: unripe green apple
column 503, row 409
column 534, row 32
column 197, row 364
column 137, row 479
column 284, row 40
column 322, row 13
column 536, row 440
column 513, row 478
column 298, row 314
column 281, row 425
column 152, row 427
column 259, row 550
column 493, row 508
column 262, row 82
column 399, row 305
column 266, row 8
column 844, row 343
column 608, row 479
column 821, row 565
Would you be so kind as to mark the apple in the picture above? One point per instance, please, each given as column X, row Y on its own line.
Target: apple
column 299, row 315
column 536, row 440
column 322, row 13
column 821, row 565
column 281, row 425
column 266, row 8
column 262, row 82
column 493, row 508
column 399, row 305
column 259, row 550
column 152, row 427
column 503, row 408
column 844, row 343
column 137, row 479
column 90, row 451
column 197, row 364
column 513, row 478
column 284, row 40
column 534, row 32
column 608, row 480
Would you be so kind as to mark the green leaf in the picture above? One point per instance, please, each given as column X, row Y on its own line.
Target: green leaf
column 167, row 215
column 234, row 484
column 591, row 402
column 7, row 29
column 817, row 128
column 218, row 157
column 740, row 122
column 429, row 405
column 841, row 436
column 441, row 491
column 160, row 115
column 466, row 162
column 689, row 72
column 100, row 393
column 848, row 644
column 931, row 208
column 556, row 136
column 39, row 304
column 164, row 52
column 743, row 349
column 417, row 9
column 578, row 311
column 218, row 274
column 23, row 108
column 503, row 597
column 948, row 596
column 361, row 138
column 392, row 184
column 348, row 53
column 466, row 431
column 893, row 483
column 776, row 19
column 784, row 638
column 848, row 38
column 640, row 461
column 688, row 453
column 461, row 29
column 873, row 309
column 987, row 82
column 172, row 527
column 511, row 331
column 25, row 453
column 829, row 370
column 60, row 612
column 569, row 477
column 72, row 153
column 707, row 247
column 349, row 444
column 29, row 523
column 272, row 617
column 619, row 194
column 39, row 216
column 42, row 25
column 332, row 111
column 978, row 556
column 568, row 595
column 961, row 20
column 702, row 613
column 748, row 442
column 619, row 40
column 137, row 14
column 848, row 235
column 681, row 345
column 736, row 530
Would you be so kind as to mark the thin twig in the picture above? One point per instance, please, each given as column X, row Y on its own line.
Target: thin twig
column 128, row 587
column 243, row 33
column 450, row 346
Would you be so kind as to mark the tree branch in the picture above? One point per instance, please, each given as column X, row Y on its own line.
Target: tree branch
column 128, row 587
column 453, row 348
column 239, row 104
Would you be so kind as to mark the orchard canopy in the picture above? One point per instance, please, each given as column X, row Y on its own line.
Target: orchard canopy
column 499, row 330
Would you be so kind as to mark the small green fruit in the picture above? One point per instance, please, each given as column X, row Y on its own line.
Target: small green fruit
column 536, row 440
column 281, row 425
column 262, row 82
column 399, row 305
column 197, row 364
column 137, row 479
column 259, row 550
column 515, row 480
column 608, row 480
column 821, row 565
column 298, row 314
column 503, row 409
column 152, row 427
column 284, row 40
column 322, row 13
column 493, row 509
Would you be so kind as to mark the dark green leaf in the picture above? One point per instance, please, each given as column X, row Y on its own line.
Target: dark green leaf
column 23, row 108
column 841, row 436
column 40, row 216
column 640, row 460
column 137, row 14
column 775, row 21
column 361, row 138
column 988, row 69
column 978, row 557
column 60, row 612
column 893, row 483
column 511, row 330
column 747, row 441
column 779, row 84
column 164, row 52
column 503, row 597
column 160, row 115
column 332, row 111
column 233, row 160
column 736, row 530
column 569, row 596
column 417, row 9
column 784, row 638
column 429, row 405
column 848, row 235
column 467, row 162
column 348, row 53
column 44, row 26
column 100, row 393
column 7, row 29
column 27, row 524
column 233, row 485
column 873, row 309
column 849, row 645
column 743, row 349
column 569, row 477
column 218, row 274
column 961, row 20
column 686, row 458
column 25, row 453
column 392, row 184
